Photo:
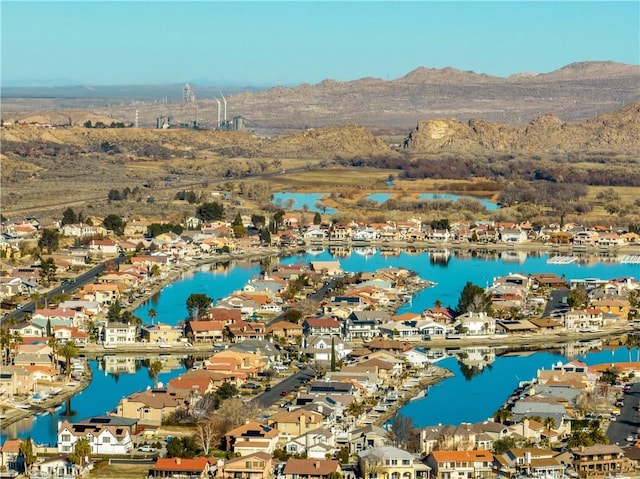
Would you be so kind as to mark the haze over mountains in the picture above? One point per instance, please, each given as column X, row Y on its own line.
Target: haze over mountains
column 573, row 93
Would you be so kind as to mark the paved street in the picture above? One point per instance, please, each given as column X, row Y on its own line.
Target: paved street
column 628, row 423
column 269, row 398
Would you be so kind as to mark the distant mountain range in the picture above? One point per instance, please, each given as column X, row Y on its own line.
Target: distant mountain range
column 576, row 92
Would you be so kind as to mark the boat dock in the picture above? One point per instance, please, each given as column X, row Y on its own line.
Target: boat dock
column 562, row 260
column 630, row 259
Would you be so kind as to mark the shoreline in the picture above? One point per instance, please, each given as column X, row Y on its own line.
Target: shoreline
column 537, row 341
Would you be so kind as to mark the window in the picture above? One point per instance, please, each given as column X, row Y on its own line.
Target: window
column 106, row 440
column 406, row 462
column 66, row 437
column 394, row 462
column 66, row 448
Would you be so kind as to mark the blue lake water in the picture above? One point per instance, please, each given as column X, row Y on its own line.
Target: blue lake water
column 297, row 201
column 489, row 205
column 459, row 399
column 101, row 396
column 379, row 197
column 454, row 400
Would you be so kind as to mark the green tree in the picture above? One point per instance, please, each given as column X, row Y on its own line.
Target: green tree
column 579, row 438
column 81, row 450
column 293, row 315
column 198, row 305
column 265, row 235
column 500, row 446
column 68, row 351
column 474, row 299
column 69, row 217
column 238, row 228
column 152, row 314
column 154, row 369
column 49, row 329
column 259, row 221
column 48, row 270
column 317, row 218
column 211, row 211
column 577, row 297
column 502, row 415
column 5, row 344
column 114, row 312
column 114, row 223
column 277, row 220
column 49, row 240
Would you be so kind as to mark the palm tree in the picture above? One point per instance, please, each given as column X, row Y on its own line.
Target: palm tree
column 5, row 344
column 26, row 450
column 549, row 422
column 68, row 351
column 596, row 434
column 154, row 369
column 15, row 340
column 54, row 345
column 81, row 449
column 152, row 313
column 579, row 438
column 502, row 415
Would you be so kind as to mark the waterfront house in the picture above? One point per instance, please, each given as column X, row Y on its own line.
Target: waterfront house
column 160, row 333
column 15, row 380
column 204, row 331
column 250, row 438
column 151, row 407
column 10, row 457
column 476, row 324
column 391, row 463
column 258, row 465
column 531, row 462
column 104, row 294
column 600, row 460
column 328, row 268
column 446, row 464
column 119, row 334
column 311, row 468
column 243, row 330
column 106, row 435
column 583, row 319
column 402, row 331
column 178, row 467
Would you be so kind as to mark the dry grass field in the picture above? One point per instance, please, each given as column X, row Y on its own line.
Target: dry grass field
column 121, row 471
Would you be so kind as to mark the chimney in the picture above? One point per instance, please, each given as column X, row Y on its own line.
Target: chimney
column 178, row 461
column 317, row 465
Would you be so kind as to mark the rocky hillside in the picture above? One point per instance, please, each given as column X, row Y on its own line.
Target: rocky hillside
column 618, row 131
column 573, row 93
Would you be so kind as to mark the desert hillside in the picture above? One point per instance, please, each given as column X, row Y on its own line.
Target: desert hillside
column 576, row 92
column 618, row 131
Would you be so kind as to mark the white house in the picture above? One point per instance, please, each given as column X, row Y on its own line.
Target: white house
column 119, row 333
column 319, row 348
column 107, row 437
column 476, row 324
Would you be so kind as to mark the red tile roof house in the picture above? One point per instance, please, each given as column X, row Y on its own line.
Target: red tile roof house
column 311, row 468
column 199, row 467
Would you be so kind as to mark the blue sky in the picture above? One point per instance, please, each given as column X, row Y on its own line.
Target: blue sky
column 288, row 43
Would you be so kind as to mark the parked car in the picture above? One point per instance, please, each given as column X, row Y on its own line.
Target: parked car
column 147, row 448
column 630, row 438
column 284, row 393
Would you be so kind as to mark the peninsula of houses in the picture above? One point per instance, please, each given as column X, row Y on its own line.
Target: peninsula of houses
column 319, row 358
